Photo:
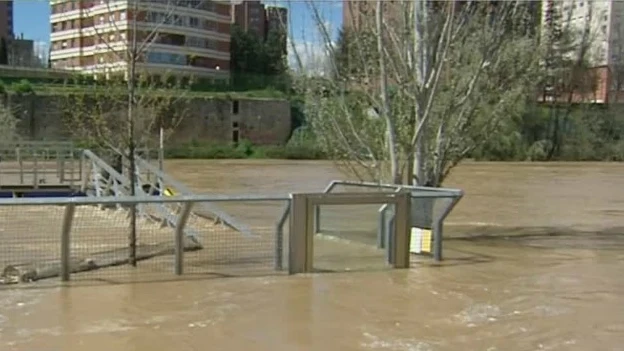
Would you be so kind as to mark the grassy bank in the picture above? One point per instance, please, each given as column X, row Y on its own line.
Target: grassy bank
column 243, row 150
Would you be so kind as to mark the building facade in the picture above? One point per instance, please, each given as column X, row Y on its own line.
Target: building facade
column 21, row 52
column 249, row 16
column 252, row 16
column 603, row 21
column 189, row 37
column 6, row 19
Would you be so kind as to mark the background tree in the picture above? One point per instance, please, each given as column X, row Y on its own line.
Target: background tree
column 569, row 79
column 128, row 103
column 258, row 62
column 444, row 79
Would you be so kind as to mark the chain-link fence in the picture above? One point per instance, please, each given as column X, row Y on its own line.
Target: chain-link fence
column 90, row 238
column 94, row 239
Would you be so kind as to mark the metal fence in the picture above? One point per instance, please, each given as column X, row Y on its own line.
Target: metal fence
column 429, row 208
column 87, row 237
column 38, row 163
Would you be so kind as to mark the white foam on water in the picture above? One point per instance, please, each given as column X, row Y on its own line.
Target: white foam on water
column 376, row 343
column 107, row 326
column 478, row 314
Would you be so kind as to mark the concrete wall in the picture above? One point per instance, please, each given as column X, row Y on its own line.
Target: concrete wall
column 205, row 121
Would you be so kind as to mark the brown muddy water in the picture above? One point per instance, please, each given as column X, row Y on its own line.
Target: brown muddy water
column 535, row 262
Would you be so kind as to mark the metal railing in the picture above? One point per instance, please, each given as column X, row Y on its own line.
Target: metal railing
column 83, row 224
column 101, row 180
column 37, row 163
column 423, row 199
column 93, row 234
column 149, row 174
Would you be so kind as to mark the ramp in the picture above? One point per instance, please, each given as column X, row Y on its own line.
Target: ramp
column 103, row 180
column 151, row 180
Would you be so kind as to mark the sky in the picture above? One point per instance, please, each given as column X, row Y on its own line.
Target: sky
column 31, row 18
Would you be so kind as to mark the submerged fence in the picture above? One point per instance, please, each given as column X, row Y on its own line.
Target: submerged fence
column 88, row 237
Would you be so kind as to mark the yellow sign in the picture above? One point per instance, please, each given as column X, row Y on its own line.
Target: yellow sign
column 168, row 192
column 421, row 241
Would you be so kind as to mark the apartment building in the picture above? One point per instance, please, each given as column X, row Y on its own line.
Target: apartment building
column 249, row 16
column 603, row 19
column 6, row 19
column 190, row 37
column 254, row 17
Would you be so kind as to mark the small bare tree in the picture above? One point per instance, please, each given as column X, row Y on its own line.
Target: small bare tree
column 443, row 77
column 128, row 102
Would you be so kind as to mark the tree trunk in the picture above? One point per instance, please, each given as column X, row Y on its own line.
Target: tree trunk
column 385, row 108
column 27, row 272
column 132, row 59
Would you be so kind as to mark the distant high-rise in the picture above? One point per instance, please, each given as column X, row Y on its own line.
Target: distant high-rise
column 250, row 17
column 6, row 19
column 253, row 17
column 192, row 37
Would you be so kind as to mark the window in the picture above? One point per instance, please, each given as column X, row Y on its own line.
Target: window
column 122, row 36
column 235, row 107
column 111, row 37
column 111, row 18
column 64, row 44
column 194, row 22
column 122, row 16
column 101, row 20
column 209, row 25
column 165, row 58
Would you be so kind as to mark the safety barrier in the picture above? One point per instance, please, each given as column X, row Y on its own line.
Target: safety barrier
column 426, row 219
column 39, row 163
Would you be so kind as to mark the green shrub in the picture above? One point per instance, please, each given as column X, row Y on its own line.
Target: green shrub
column 244, row 149
column 23, row 87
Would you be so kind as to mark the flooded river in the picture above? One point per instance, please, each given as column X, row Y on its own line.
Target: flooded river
column 534, row 262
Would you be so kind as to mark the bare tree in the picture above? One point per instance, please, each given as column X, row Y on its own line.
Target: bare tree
column 445, row 76
column 129, row 103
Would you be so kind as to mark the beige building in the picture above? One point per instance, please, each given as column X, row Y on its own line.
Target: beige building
column 603, row 19
column 179, row 37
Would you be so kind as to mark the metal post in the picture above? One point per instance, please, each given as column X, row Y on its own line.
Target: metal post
column 437, row 240
column 389, row 238
column 401, row 242
column 299, row 250
column 68, row 218
column 57, row 154
column 61, row 165
column 21, row 164
column 71, row 165
column 83, row 173
column 317, row 219
column 35, row 171
column 179, row 237
column 381, row 227
column 279, row 239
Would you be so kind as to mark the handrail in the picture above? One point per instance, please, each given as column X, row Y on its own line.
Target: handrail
column 416, row 191
column 181, row 188
column 143, row 199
